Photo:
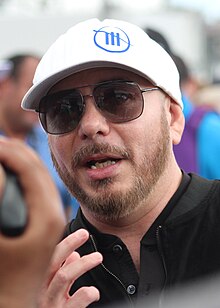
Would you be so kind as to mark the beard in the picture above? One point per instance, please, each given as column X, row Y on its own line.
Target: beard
column 106, row 204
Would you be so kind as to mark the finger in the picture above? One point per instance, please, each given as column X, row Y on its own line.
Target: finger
column 72, row 258
column 66, row 276
column 74, row 270
column 11, row 148
column 65, row 248
column 83, row 297
column 34, row 178
column 29, row 168
column 2, row 181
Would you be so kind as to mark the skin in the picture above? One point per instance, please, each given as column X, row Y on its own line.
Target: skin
column 149, row 164
column 21, row 281
column 15, row 121
column 94, row 129
column 25, row 259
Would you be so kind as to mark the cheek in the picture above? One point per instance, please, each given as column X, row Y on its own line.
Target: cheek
column 138, row 138
column 60, row 147
column 146, row 129
column 147, row 135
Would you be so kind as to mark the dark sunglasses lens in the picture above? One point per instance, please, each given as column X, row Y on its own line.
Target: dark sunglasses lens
column 119, row 102
column 61, row 112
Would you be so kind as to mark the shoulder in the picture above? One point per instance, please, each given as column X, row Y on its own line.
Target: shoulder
column 200, row 194
column 202, row 190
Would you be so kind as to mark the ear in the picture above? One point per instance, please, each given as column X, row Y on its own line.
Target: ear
column 176, row 121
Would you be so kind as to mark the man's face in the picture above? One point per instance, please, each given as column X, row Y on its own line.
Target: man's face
column 112, row 168
column 19, row 120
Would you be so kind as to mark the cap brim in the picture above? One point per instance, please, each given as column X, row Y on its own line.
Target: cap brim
column 37, row 91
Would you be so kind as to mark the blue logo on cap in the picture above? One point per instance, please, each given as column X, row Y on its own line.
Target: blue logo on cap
column 112, row 39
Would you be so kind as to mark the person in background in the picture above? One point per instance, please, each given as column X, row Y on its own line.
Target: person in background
column 5, row 67
column 111, row 105
column 208, row 95
column 199, row 149
column 17, row 123
column 24, row 259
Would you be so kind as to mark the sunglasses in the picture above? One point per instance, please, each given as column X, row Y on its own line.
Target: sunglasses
column 118, row 101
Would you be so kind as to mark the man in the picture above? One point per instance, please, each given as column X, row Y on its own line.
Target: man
column 14, row 121
column 17, row 123
column 109, row 98
column 24, row 259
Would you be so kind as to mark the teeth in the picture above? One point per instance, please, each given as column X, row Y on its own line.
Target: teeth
column 103, row 164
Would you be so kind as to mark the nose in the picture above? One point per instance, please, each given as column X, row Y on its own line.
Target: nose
column 93, row 123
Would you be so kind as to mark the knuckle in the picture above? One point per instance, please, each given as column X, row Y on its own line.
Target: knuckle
column 85, row 296
column 91, row 293
column 62, row 276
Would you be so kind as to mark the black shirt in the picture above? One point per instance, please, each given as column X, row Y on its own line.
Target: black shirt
column 118, row 261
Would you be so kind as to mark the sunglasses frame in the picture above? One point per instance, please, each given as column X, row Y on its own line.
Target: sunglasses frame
column 95, row 86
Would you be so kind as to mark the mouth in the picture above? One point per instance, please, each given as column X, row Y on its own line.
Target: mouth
column 100, row 166
column 101, row 163
column 99, row 156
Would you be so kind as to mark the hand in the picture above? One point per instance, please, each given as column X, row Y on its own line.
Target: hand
column 66, row 267
column 25, row 259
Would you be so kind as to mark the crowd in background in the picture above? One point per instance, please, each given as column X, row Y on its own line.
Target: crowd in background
column 17, row 72
column 199, row 148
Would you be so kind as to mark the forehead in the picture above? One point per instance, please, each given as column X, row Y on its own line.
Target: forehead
column 96, row 75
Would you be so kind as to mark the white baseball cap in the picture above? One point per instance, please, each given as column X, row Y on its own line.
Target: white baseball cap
column 108, row 43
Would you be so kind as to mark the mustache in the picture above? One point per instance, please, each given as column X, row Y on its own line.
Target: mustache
column 100, row 148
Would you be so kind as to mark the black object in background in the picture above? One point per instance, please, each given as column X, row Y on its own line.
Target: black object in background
column 13, row 211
